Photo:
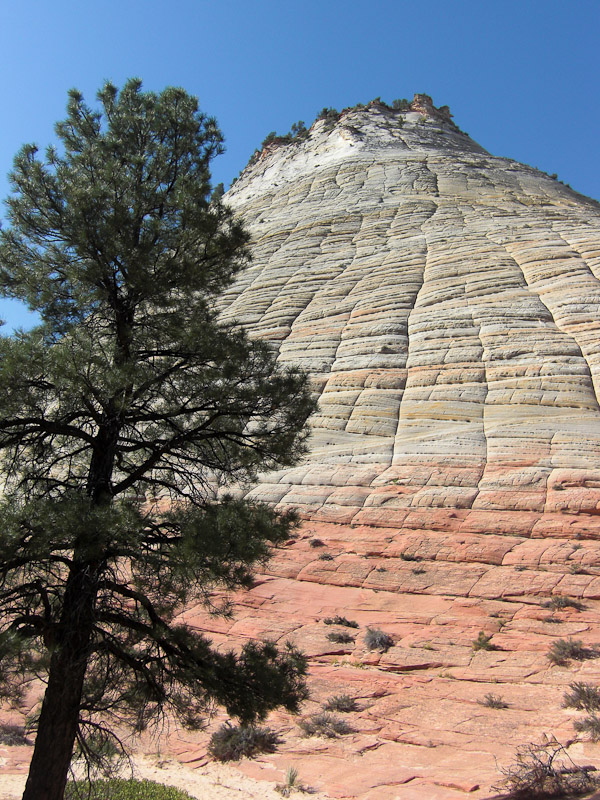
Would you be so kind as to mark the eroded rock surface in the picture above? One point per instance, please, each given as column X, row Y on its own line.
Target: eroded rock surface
column 446, row 304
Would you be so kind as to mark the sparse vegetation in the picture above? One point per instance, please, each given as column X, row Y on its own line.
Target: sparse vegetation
column 292, row 783
column 119, row 789
column 341, row 702
column 323, row 723
column 337, row 620
column 11, row 735
column 376, row 639
column 543, row 771
column 340, row 638
column 563, row 650
column 583, row 696
column 401, row 104
column 316, row 543
column 589, row 725
column 325, row 557
column 406, row 556
column 418, row 571
column 330, row 115
column 493, row 701
column 232, row 742
column 483, row 642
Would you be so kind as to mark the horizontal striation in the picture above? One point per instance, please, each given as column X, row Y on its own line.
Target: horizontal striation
column 446, row 303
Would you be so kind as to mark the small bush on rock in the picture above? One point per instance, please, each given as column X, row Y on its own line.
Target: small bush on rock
column 482, row 642
column 232, row 742
column 563, row 650
column 376, row 639
column 589, row 725
column 559, row 601
column 325, row 557
column 341, row 702
column 316, row 543
column 324, row 724
column 584, row 696
column 347, row 623
column 340, row 638
column 493, row 701
column 12, row 735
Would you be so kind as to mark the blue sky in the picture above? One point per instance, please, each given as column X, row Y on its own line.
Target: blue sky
column 520, row 76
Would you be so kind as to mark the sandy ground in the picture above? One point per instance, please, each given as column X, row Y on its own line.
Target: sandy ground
column 209, row 782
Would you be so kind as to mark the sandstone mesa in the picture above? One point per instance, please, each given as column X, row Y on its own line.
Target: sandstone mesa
column 446, row 303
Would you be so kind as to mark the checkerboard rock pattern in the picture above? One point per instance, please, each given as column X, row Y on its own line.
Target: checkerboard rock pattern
column 446, row 304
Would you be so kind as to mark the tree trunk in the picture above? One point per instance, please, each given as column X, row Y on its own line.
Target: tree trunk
column 57, row 725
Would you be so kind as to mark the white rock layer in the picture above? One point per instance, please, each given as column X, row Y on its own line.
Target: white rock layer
column 446, row 303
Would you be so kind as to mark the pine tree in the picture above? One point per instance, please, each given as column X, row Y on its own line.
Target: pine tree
column 125, row 415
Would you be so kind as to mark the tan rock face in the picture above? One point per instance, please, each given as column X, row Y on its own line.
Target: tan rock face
column 446, row 304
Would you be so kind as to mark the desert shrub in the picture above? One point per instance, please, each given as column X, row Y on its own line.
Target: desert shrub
column 232, row 742
column 325, row 557
column 316, row 543
column 545, row 770
column 119, row 789
column 563, row 650
column 11, row 735
column 589, row 725
column 341, row 702
column 340, row 638
column 560, row 601
column 584, row 696
column 418, row 571
column 347, row 623
column 325, row 724
column 493, row 701
column 409, row 557
column 376, row 639
column 483, row 642
column 292, row 783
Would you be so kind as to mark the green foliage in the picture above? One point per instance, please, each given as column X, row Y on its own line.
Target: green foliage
column 401, row 104
column 482, row 642
column 337, row 620
column 341, row 702
column 376, row 639
column 269, row 139
column 584, row 696
column 232, row 742
column 324, row 724
column 119, row 789
column 122, row 414
column 559, row 601
column 330, row 115
column 563, row 650
column 292, row 783
column 589, row 725
column 297, row 133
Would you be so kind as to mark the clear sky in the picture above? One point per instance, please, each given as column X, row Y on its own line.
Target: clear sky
column 522, row 77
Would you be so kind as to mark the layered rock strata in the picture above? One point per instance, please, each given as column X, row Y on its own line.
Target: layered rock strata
column 445, row 302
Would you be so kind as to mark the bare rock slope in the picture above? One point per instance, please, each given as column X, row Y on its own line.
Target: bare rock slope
column 446, row 304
